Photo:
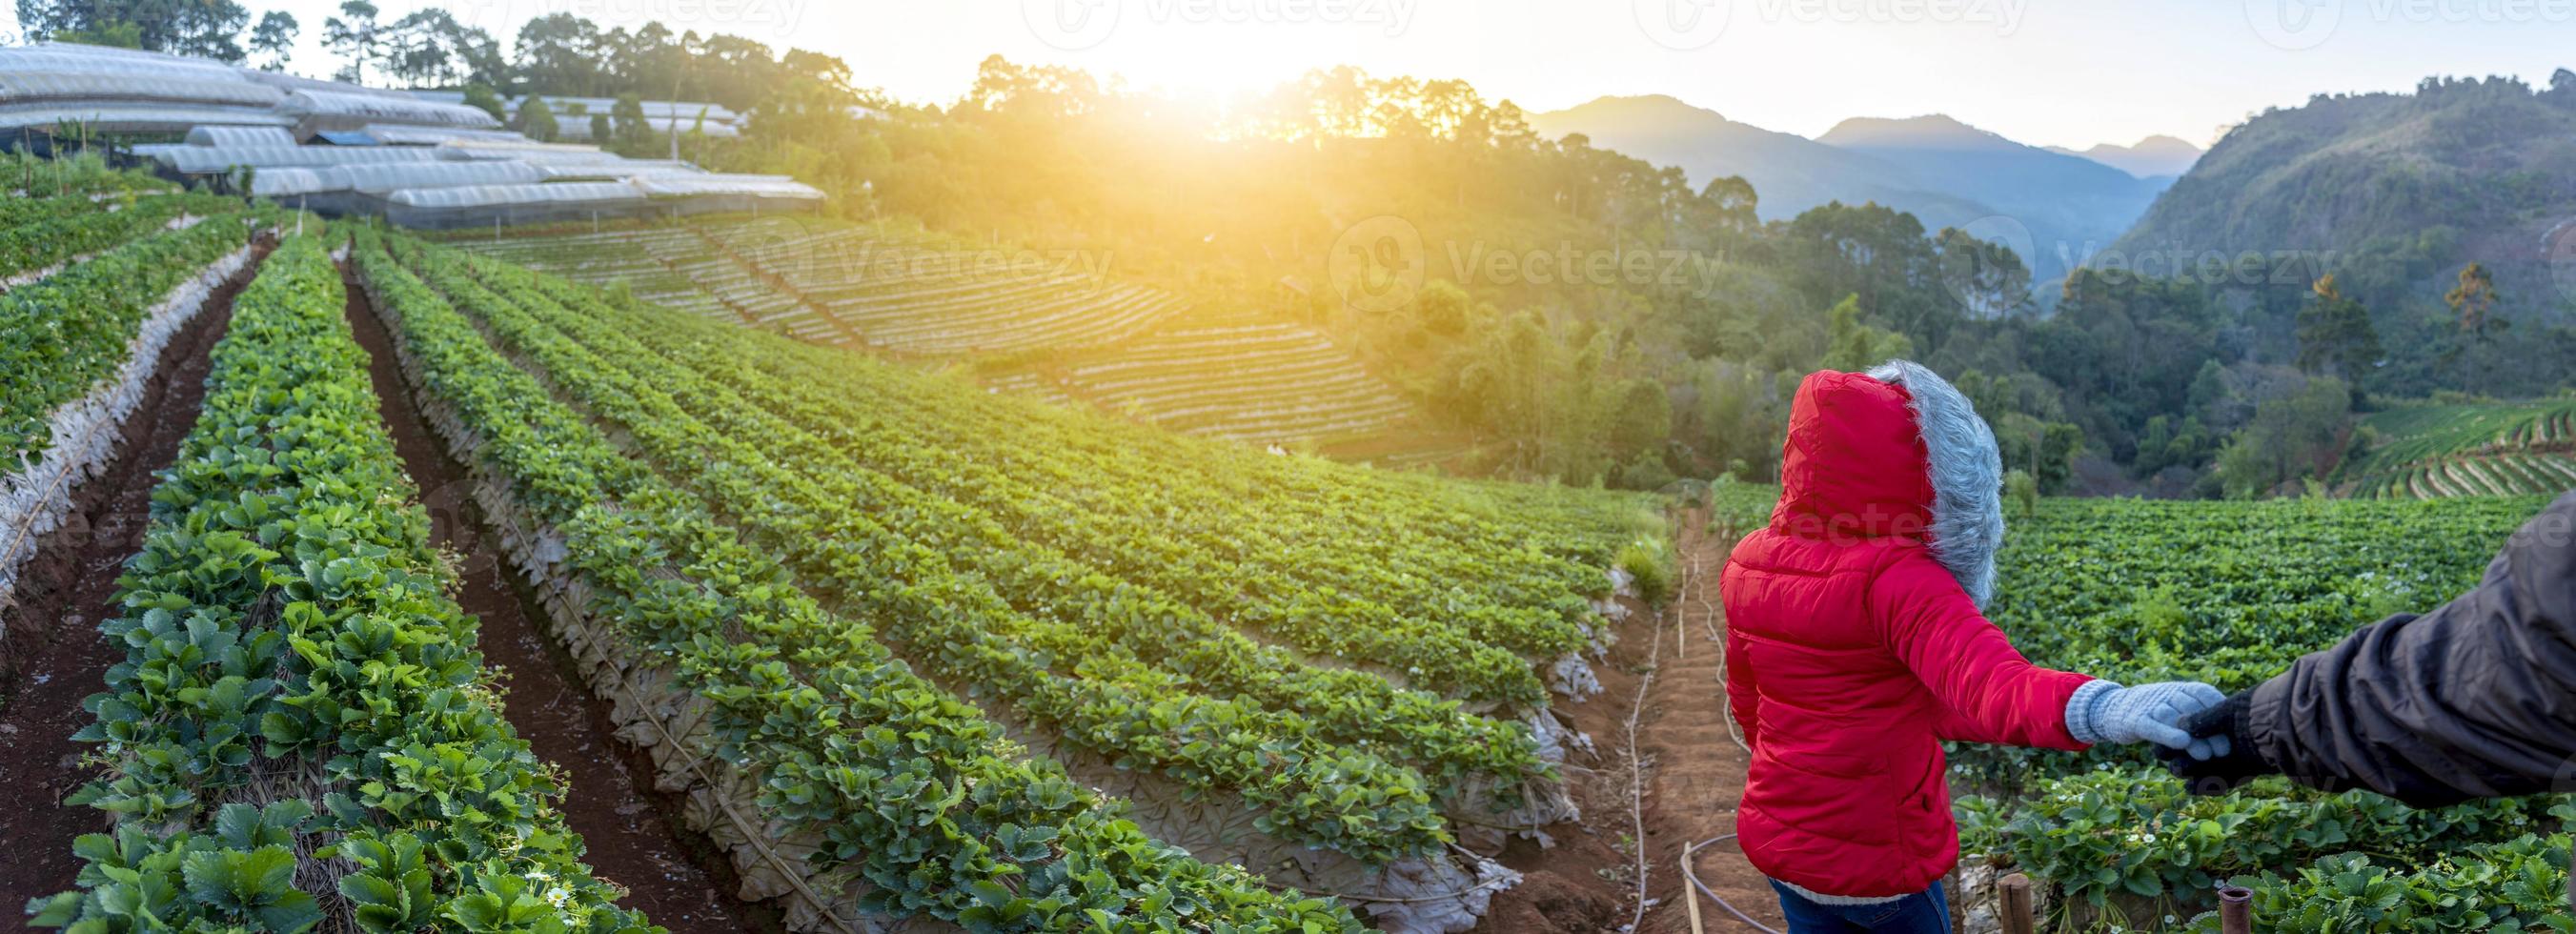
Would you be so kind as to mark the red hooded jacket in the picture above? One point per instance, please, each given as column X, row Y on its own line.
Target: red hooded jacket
column 1854, row 647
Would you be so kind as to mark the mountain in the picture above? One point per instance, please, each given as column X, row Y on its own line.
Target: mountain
column 1790, row 173
column 2068, row 205
column 2050, row 208
column 2151, row 157
column 2395, row 192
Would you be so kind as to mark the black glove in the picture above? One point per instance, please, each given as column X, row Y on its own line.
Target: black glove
column 2222, row 755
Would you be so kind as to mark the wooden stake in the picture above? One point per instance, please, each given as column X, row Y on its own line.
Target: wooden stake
column 1690, row 894
column 2235, row 910
column 2012, row 905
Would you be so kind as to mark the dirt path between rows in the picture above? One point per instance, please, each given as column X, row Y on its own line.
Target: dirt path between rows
column 54, row 655
column 1687, row 764
column 630, row 827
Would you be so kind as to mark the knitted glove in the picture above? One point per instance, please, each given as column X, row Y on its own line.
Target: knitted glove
column 2220, row 756
column 2104, row 712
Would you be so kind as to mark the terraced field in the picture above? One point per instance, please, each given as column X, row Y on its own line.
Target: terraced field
column 1056, row 327
column 2498, row 449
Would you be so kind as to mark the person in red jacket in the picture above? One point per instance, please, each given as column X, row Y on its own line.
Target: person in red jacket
column 1856, row 644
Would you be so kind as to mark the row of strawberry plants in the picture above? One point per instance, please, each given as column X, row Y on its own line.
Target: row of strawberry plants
column 1323, row 601
column 290, row 641
column 1349, row 706
column 60, row 335
column 2512, row 885
column 26, row 175
column 913, row 790
column 1317, row 536
column 2228, row 593
column 46, row 206
column 1436, row 547
column 39, row 243
column 1097, row 695
column 2123, row 832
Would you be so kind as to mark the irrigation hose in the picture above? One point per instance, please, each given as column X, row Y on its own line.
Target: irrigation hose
column 1693, row 877
column 1736, row 733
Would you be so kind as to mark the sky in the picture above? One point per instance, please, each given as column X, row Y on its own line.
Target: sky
column 2066, row 72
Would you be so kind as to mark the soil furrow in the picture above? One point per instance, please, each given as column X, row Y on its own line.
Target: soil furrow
column 1694, row 773
column 630, row 827
column 55, row 656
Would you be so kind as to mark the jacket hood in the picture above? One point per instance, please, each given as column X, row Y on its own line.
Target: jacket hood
column 1896, row 451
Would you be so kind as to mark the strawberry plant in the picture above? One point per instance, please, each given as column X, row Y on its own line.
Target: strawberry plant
column 908, row 787
column 287, row 624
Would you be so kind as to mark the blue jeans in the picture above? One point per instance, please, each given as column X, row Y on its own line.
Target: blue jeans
column 1925, row 912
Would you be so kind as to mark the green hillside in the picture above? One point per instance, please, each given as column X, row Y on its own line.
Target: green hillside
column 2396, row 191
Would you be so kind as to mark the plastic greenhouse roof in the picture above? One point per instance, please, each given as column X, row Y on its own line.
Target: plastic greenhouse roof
column 91, row 59
column 381, row 108
column 289, row 82
column 385, row 177
column 581, row 156
column 394, row 134
column 767, row 186
column 131, row 117
column 194, row 160
column 476, row 196
column 715, row 112
column 238, row 136
column 628, row 169
column 22, row 85
column 272, row 183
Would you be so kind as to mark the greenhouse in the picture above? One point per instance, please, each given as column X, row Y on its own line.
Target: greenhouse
column 317, row 111
column 418, row 158
column 239, row 136
column 512, row 205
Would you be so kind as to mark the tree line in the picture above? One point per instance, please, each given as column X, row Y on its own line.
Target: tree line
column 556, row 54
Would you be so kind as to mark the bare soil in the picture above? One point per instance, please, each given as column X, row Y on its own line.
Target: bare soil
column 54, row 656
column 1687, row 762
column 630, row 827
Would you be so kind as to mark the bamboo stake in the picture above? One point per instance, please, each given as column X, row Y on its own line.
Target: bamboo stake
column 2012, row 905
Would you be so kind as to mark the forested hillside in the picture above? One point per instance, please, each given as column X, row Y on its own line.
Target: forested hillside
column 1587, row 315
column 2397, row 194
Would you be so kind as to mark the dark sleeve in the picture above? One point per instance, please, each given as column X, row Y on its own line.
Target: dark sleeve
column 2474, row 699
